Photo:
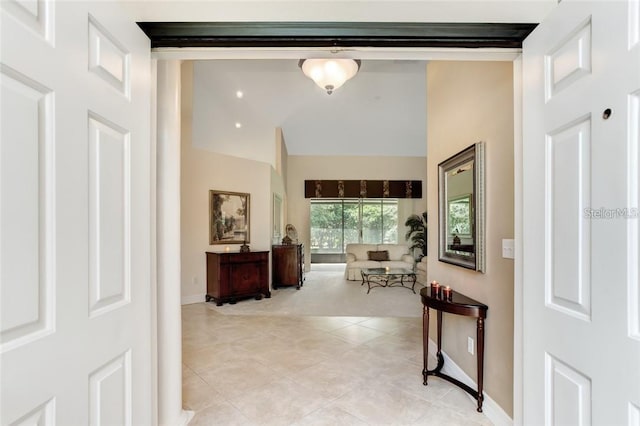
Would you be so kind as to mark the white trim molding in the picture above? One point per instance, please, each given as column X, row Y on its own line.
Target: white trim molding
column 490, row 408
column 192, row 298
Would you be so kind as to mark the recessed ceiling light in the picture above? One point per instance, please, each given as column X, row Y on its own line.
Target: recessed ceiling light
column 238, row 125
column 239, row 94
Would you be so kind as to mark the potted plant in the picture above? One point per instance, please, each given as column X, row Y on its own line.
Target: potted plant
column 417, row 233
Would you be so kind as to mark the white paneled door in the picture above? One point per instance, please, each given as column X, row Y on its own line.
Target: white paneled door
column 75, row 319
column 581, row 78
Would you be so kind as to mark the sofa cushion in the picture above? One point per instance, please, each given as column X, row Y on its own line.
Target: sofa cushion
column 378, row 255
column 360, row 250
column 358, row 259
column 395, row 250
column 396, row 264
column 364, row 264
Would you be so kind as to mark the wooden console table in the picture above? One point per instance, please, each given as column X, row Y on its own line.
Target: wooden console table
column 459, row 305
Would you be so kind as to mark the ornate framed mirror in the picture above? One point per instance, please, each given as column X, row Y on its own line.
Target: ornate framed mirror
column 461, row 207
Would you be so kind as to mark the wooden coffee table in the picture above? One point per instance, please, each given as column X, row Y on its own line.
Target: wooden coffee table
column 388, row 277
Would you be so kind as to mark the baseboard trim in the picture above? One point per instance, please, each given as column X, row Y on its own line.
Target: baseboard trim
column 194, row 298
column 490, row 408
column 185, row 417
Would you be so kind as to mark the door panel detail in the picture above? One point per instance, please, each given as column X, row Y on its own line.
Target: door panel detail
column 568, row 394
column 36, row 15
column 634, row 415
column 110, row 392
column 75, row 203
column 569, row 61
column 634, row 23
column 26, row 218
column 43, row 415
column 109, row 215
column 108, row 58
column 634, row 203
column 580, row 383
column 568, row 169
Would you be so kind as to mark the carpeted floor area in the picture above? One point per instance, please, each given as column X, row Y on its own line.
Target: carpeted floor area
column 327, row 293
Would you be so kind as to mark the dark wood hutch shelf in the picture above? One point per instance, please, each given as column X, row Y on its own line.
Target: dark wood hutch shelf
column 287, row 265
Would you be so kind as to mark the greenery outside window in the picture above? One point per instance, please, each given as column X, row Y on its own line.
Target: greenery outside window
column 336, row 223
column 460, row 217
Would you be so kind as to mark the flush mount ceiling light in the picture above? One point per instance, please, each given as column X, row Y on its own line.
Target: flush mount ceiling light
column 329, row 73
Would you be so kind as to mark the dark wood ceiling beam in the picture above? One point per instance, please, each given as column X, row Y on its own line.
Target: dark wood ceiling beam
column 335, row 34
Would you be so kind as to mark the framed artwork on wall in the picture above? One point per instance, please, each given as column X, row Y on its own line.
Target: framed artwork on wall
column 228, row 217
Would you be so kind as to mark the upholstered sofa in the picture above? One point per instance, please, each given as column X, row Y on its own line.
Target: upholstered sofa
column 361, row 256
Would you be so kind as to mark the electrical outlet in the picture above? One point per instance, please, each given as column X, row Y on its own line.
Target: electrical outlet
column 470, row 345
column 194, row 280
column 508, row 249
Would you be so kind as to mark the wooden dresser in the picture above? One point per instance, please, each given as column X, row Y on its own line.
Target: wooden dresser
column 287, row 265
column 235, row 276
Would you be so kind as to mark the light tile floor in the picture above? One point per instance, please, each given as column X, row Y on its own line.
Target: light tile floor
column 304, row 370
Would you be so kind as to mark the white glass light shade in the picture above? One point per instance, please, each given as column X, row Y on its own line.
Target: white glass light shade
column 330, row 73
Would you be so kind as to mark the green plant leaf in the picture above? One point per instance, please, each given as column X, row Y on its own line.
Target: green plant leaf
column 417, row 232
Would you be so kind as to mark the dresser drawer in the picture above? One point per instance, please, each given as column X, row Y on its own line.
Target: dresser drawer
column 258, row 256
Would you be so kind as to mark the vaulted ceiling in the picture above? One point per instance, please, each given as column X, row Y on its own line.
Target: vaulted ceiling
column 381, row 111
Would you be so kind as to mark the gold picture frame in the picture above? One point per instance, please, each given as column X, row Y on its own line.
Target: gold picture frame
column 229, row 217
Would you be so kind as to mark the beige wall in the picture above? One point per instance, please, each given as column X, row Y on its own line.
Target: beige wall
column 278, row 181
column 468, row 102
column 282, row 155
column 301, row 168
column 278, row 188
column 204, row 170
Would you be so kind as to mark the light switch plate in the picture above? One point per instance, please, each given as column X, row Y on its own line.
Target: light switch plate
column 508, row 249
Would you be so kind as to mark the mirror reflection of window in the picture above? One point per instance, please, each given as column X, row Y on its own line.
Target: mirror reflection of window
column 460, row 216
column 459, row 211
